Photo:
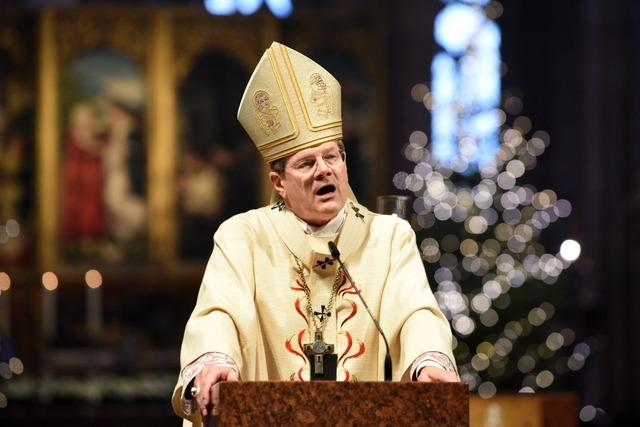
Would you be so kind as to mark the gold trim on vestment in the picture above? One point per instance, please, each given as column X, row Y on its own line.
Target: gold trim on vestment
column 311, row 143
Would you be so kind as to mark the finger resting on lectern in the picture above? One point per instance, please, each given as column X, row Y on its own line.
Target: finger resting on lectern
column 436, row 375
column 207, row 381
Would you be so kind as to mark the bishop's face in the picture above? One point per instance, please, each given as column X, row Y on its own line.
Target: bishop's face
column 314, row 184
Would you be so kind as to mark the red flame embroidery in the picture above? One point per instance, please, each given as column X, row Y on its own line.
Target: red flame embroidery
column 290, row 348
column 299, row 310
column 349, row 343
column 297, row 286
column 358, row 354
column 354, row 310
column 296, row 375
column 347, row 290
column 347, row 375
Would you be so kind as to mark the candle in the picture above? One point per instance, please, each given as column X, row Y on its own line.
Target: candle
column 93, row 279
column 49, row 306
column 5, row 305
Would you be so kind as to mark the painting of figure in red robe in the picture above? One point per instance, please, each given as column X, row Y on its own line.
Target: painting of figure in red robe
column 103, row 205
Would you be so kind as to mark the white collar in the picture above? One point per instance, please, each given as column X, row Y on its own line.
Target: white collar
column 329, row 229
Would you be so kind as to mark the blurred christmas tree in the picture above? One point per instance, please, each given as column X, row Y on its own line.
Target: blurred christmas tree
column 479, row 224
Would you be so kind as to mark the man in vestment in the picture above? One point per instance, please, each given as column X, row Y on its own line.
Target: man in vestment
column 271, row 285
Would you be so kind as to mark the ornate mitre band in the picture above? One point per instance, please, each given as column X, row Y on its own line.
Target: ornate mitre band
column 290, row 103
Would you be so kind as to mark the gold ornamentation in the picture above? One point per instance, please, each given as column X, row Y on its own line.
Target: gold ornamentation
column 267, row 115
column 197, row 36
column 88, row 29
column 320, row 95
column 337, row 282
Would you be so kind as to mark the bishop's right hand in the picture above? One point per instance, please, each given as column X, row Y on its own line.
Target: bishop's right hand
column 208, row 385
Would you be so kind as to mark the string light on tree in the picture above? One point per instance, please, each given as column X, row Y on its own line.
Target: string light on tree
column 570, row 250
column 479, row 222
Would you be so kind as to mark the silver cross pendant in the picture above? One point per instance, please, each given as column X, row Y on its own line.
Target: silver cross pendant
column 323, row 360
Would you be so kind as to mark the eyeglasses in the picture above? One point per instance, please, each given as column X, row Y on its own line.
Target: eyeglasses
column 307, row 164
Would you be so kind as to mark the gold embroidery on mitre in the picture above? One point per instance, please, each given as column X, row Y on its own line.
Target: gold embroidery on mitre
column 267, row 115
column 320, row 95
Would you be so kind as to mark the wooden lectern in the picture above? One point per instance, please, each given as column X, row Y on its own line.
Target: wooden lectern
column 324, row 403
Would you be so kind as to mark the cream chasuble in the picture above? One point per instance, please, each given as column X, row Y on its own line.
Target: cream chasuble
column 252, row 306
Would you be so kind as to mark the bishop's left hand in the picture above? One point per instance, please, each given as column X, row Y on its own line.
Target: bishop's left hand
column 431, row 374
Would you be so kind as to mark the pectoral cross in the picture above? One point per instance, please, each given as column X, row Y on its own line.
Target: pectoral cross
column 322, row 313
column 317, row 351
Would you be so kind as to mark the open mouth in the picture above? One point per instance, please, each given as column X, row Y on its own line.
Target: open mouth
column 326, row 189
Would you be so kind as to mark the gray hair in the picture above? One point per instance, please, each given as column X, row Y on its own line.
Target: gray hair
column 278, row 165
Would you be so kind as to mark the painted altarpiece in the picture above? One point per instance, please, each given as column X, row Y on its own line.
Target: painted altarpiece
column 167, row 83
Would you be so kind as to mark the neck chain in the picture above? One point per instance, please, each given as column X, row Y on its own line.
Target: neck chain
column 307, row 292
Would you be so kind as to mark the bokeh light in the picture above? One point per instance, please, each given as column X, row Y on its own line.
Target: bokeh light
column 5, row 281
column 476, row 225
column 570, row 250
column 463, row 324
column 489, row 318
column 16, row 366
column 587, row 413
column 526, row 364
column 523, row 124
column 480, row 303
column 487, row 390
column 49, row 281
column 480, row 362
column 468, row 247
column 582, row 349
column 554, row 341
column 492, row 289
column 93, row 279
column 537, row 316
column 419, row 91
column 575, row 362
column 544, row 379
column 12, row 228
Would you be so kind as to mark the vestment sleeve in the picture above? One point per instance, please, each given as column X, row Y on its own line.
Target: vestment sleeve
column 190, row 372
column 224, row 317
column 409, row 308
column 432, row 358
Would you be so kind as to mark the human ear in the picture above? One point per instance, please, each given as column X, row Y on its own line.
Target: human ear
column 276, row 181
